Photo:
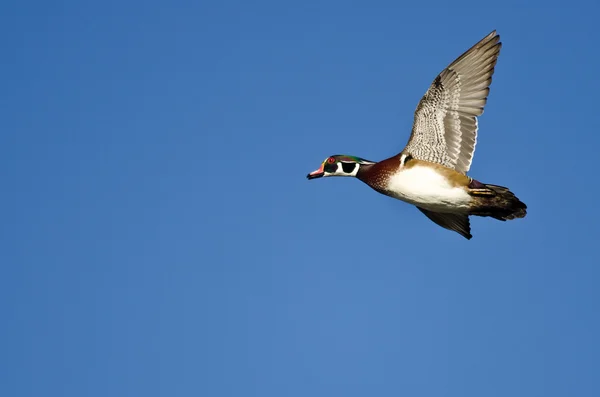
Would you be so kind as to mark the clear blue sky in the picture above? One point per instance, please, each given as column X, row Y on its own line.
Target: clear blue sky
column 159, row 237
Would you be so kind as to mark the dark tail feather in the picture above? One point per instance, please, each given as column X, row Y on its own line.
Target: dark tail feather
column 500, row 203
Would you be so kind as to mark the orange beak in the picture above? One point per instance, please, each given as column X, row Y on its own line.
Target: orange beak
column 317, row 174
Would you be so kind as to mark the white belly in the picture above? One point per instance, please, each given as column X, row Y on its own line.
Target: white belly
column 426, row 188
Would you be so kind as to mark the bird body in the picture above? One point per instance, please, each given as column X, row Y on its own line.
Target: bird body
column 421, row 183
column 430, row 172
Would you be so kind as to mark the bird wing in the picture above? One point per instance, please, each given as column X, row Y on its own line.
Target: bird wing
column 456, row 222
column 445, row 124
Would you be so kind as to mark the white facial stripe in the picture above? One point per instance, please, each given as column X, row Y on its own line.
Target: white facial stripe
column 340, row 171
column 355, row 170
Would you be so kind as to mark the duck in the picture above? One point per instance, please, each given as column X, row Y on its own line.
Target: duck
column 431, row 171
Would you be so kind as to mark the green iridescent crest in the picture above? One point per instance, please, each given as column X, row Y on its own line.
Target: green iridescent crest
column 351, row 159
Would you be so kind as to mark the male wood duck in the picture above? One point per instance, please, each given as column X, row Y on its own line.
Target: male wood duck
column 431, row 170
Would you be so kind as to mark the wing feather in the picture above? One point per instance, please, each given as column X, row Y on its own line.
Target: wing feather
column 445, row 123
column 455, row 222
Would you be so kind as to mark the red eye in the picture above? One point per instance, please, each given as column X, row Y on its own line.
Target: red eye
column 331, row 160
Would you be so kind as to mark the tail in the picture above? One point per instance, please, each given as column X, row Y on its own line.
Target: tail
column 496, row 201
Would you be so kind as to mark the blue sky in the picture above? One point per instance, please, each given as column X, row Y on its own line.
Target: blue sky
column 160, row 237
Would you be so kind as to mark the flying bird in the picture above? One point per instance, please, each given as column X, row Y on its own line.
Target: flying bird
column 431, row 171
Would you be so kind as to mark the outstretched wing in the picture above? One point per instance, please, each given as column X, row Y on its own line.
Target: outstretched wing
column 445, row 125
column 456, row 222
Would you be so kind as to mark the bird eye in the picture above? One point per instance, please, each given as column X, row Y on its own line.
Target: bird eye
column 331, row 160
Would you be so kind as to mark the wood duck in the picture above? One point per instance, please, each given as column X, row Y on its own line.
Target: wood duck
column 430, row 172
